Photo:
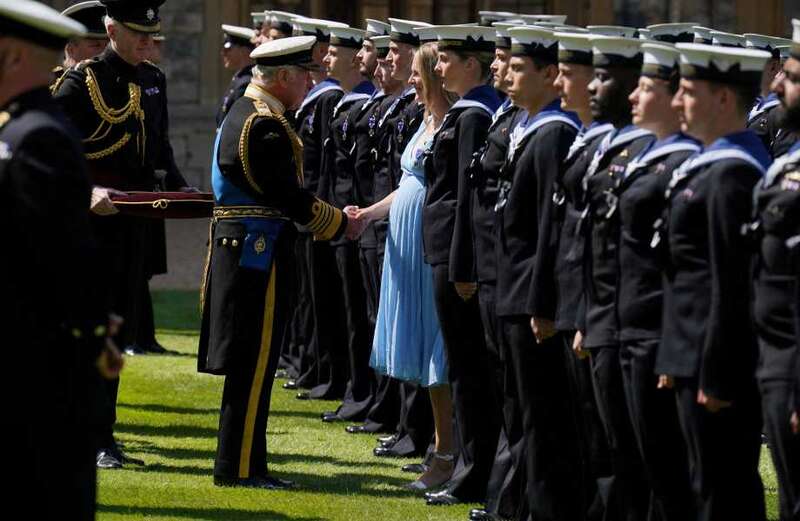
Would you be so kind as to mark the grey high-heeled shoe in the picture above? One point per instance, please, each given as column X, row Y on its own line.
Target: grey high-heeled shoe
column 420, row 485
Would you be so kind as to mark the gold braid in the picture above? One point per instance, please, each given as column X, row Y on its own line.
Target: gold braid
column 116, row 116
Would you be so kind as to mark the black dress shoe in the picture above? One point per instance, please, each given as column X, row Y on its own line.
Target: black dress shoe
column 303, row 395
column 386, row 439
column 108, row 459
column 330, row 417
column 387, row 452
column 155, row 348
column 356, row 429
column 134, row 349
column 291, row 385
column 415, row 468
column 479, row 514
column 265, row 482
column 441, row 498
column 281, row 373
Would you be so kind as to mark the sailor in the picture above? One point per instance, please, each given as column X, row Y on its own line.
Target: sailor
column 235, row 53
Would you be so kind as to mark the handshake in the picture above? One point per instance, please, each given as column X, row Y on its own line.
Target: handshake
column 357, row 222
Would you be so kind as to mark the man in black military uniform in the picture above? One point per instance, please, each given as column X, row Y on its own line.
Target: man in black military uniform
column 90, row 14
column 708, row 348
column 504, row 489
column 235, row 53
column 53, row 324
column 758, row 119
column 400, row 119
column 617, row 64
column 118, row 103
column 257, row 180
column 339, row 176
column 776, row 293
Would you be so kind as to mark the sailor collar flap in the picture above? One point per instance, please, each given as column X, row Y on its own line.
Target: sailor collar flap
column 523, row 131
column 317, row 91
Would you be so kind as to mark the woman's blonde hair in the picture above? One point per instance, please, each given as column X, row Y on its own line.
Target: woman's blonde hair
column 428, row 55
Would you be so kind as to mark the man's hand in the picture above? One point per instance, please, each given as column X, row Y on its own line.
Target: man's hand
column 543, row 328
column 101, row 200
column 355, row 226
column 466, row 290
column 577, row 346
column 710, row 403
column 665, row 381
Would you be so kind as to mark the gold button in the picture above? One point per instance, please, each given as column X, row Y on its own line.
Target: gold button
column 224, row 242
column 234, row 243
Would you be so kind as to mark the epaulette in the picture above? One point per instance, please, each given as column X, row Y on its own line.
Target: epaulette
column 85, row 63
column 61, row 72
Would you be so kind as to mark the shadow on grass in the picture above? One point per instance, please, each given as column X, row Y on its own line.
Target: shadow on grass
column 171, row 409
column 202, row 514
column 167, row 431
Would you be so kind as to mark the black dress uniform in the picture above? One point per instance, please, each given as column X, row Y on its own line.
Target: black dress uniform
column 783, row 138
column 759, row 121
column 526, row 287
column 503, row 492
column 447, row 242
column 50, row 424
column 257, row 180
column 627, row 487
column 338, row 173
column 708, row 341
column 326, row 372
column 238, row 85
column 653, row 413
column 776, row 316
column 118, row 108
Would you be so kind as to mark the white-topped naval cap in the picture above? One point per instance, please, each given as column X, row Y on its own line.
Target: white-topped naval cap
column 575, row 48
column 612, row 51
column 722, row 64
column 644, row 34
column 702, row 34
column 377, row 28
column 235, row 35
column 660, row 60
column 616, row 31
column 672, row 32
column 534, row 41
column 771, row 44
column 470, row 38
column 404, row 31
column 489, row 17
column 724, row 39
column 294, row 50
column 258, row 16
column 281, row 20
column 304, row 26
column 553, row 18
column 381, row 42
column 38, row 23
column 347, row 37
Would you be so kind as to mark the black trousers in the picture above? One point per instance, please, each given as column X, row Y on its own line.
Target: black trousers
column 552, row 463
column 358, row 395
column 328, row 345
column 242, row 441
column 654, row 417
column 724, row 449
column 296, row 357
column 777, row 401
column 477, row 415
column 504, row 491
column 625, row 492
column 415, row 427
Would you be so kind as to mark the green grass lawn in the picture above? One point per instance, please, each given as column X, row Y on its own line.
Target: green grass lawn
column 168, row 417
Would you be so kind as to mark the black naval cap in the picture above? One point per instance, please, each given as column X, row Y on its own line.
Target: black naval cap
column 137, row 15
column 296, row 51
column 37, row 23
column 90, row 14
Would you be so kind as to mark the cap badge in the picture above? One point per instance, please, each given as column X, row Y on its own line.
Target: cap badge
column 151, row 14
column 260, row 245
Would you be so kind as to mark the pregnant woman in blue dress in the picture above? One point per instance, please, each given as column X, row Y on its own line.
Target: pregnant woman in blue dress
column 408, row 341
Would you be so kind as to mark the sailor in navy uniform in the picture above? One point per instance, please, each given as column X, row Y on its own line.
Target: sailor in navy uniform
column 448, row 248
column 575, row 73
column 235, row 52
column 758, row 119
column 400, row 119
column 338, row 175
column 640, row 204
column 504, row 491
column 279, row 24
column 708, row 350
column 526, row 282
column 617, row 64
column 324, row 362
column 119, row 107
column 776, row 289
column 257, row 181
column 53, row 324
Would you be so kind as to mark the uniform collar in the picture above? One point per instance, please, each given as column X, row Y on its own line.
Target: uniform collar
column 120, row 66
column 365, row 87
column 484, row 95
column 746, row 141
column 258, row 93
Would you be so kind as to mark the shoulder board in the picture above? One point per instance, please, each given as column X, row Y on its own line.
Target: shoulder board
column 85, row 64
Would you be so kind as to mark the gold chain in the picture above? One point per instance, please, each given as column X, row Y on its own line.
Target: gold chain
column 114, row 116
column 110, row 150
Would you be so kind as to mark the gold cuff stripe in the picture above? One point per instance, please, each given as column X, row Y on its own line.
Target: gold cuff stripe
column 258, row 377
column 207, row 266
column 326, row 222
